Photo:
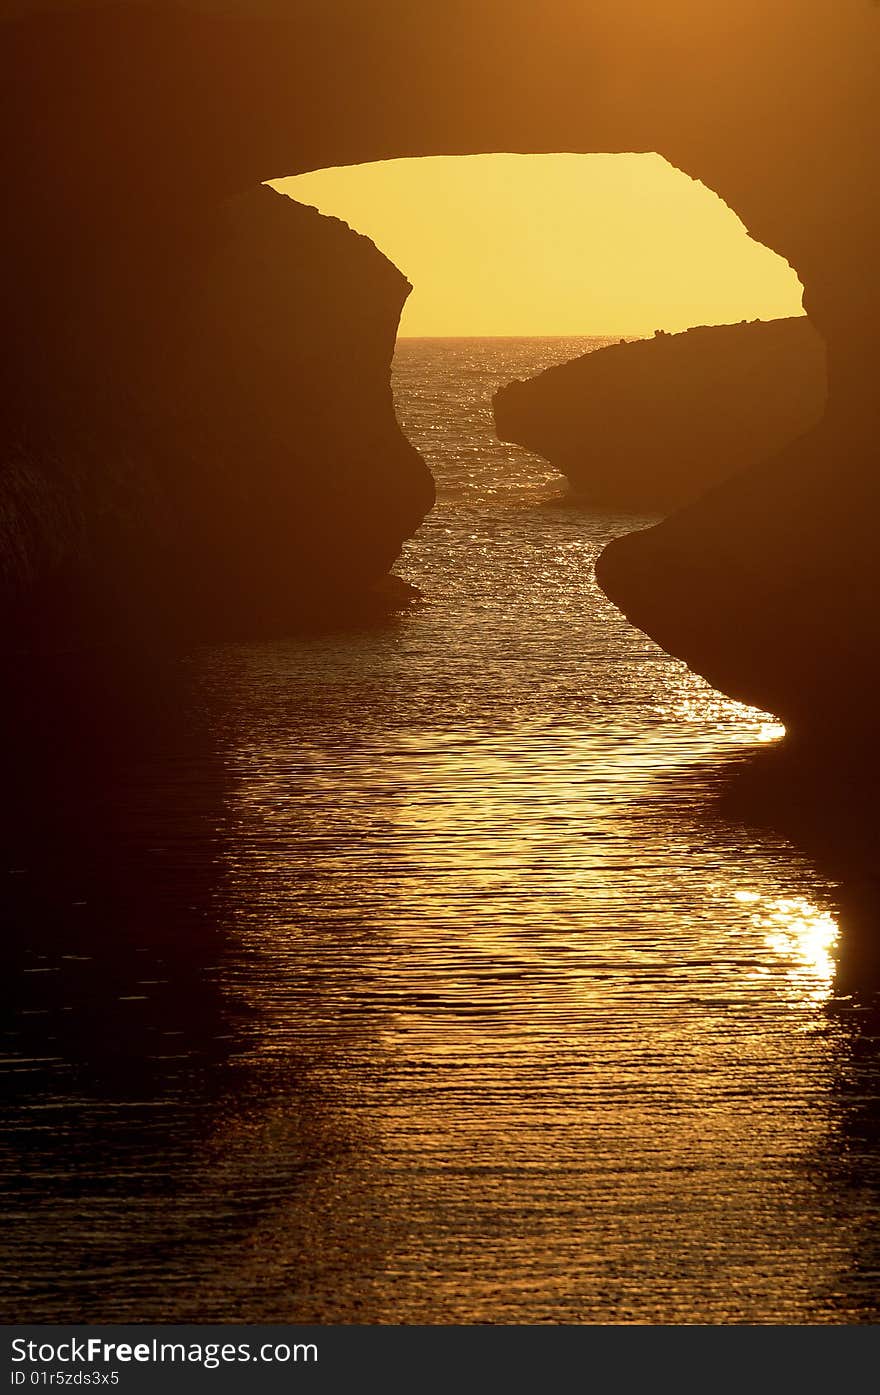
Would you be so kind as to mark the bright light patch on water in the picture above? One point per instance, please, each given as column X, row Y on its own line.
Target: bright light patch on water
column 522, row 1028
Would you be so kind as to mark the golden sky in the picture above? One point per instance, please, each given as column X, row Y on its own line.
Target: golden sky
column 556, row 244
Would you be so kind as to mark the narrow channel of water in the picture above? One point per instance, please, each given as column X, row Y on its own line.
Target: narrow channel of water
column 429, row 986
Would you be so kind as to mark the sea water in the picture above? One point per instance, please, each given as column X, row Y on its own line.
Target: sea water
column 430, row 983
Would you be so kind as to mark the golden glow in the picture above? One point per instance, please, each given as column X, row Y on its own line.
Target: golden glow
column 770, row 731
column 808, row 936
column 802, row 934
column 556, row 244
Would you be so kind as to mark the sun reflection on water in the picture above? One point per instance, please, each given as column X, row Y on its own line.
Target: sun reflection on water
column 486, row 899
column 487, row 903
column 802, row 933
column 801, row 930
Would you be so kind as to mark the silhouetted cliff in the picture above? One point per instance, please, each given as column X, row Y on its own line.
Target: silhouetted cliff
column 767, row 585
column 128, row 127
column 650, row 424
column 213, row 445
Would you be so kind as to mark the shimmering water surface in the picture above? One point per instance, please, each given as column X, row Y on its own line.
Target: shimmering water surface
column 411, row 974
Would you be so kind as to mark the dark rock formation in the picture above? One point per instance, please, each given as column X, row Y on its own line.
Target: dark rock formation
column 211, row 443
column 128, row 127
column 768, row 584
column 651, row 424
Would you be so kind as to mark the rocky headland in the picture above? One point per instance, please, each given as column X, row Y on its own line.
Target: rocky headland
column 195, row 410
column 768, row 584
column 651, row 424
column 204, row 441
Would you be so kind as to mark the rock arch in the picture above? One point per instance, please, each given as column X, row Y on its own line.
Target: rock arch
column 144, row 458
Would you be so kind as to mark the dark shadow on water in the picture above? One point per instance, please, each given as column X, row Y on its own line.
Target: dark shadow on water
column 100, row 828
column 124, row 1065
column 142, row 1143
column 824, row 802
